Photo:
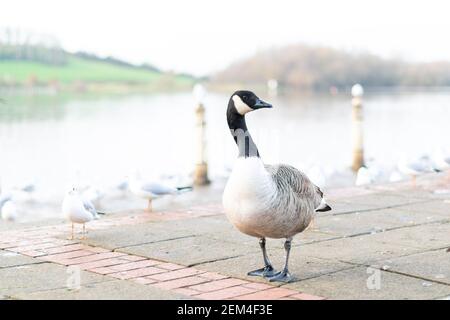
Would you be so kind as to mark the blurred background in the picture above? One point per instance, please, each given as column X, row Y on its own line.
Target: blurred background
column 92, row 92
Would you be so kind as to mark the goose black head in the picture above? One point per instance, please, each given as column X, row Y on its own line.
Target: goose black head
column 245, row 101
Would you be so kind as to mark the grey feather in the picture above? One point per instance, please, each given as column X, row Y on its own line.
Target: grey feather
column 296, row 198
column 89, row 206
column 4, row 199
column 158, row 189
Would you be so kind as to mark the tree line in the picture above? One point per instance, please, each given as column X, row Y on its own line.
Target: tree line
column 305, row 67
column 18, row 44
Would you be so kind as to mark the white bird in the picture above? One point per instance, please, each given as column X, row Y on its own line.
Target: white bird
column 4, row 198
column 26, row 189
column 414, row 167
column 266, row 201
column 89, row 206
column 122, row 186
column 152, row 190
column 440, row 161
column 74, row 209
column 364, row 177
column 93, row 194
column 396, row 176
column 9, row 210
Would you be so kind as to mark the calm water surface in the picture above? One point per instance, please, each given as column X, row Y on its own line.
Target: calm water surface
column 54, row 140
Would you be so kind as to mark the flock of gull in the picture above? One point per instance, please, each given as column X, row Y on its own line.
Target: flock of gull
column 78, row 203
column 406, row 168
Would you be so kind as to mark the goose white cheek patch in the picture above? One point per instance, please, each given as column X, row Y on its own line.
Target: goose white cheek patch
column 240, row 105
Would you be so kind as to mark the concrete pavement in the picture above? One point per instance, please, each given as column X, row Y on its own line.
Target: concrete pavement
column 380, row 242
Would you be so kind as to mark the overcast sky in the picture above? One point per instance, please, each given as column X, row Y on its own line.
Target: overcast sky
column 201, row 36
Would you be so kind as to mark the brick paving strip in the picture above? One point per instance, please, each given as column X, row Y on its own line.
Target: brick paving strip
column 41, row 243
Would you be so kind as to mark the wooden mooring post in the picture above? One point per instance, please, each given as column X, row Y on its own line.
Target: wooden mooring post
column 201, row 165
column 357, row 127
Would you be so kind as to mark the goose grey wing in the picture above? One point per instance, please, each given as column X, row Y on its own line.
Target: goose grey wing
column 287, row 177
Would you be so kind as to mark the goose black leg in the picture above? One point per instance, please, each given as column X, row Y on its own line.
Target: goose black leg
column 283, row 275
column 268, row 270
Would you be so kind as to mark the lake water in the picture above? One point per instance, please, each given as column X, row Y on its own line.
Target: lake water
column 53, row 140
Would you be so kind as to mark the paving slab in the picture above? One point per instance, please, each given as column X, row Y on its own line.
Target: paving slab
column 352, row 284
column 6, row 226
column 436, row 207
column 11, row 259
column 431, row 265
column 188, row 251
column 361, row 249
column 382, row 200
column 301, row 266
column 426, row 236
column 372, row 221
column 342, row 207
column 436, row 193
column 127, row 236
column 39, row 277
column 111, row 290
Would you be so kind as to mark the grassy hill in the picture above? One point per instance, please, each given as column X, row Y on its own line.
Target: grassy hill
column 87, row 70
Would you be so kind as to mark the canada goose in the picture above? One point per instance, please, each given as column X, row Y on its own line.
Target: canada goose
column 266, row 201
column 75, row 209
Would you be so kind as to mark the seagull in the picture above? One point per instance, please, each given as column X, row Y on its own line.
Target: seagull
column 74, row 209
column 28, row 188
column 414, row 167
column 152, row 190
column 93, row 194
column 440, row 161
column 364, row 177
column 4, row 198
column 9, row 210
column 266, row 201
column 122, row 186
column 395, row 176
column 89, row 206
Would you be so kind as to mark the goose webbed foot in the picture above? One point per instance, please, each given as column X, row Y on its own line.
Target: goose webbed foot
column 267, row 271
column 282, row 276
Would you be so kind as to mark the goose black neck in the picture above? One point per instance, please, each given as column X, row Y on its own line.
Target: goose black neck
column 241, row 135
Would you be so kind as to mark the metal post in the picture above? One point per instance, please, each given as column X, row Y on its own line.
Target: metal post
column 357, row 124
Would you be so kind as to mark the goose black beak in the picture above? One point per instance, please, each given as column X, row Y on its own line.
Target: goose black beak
column 261, row 104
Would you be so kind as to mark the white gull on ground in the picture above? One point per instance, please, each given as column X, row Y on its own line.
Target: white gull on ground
column 414, row 166
column 364, row 177
column 152, row 189
column 74, row 209
column 9, row 211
